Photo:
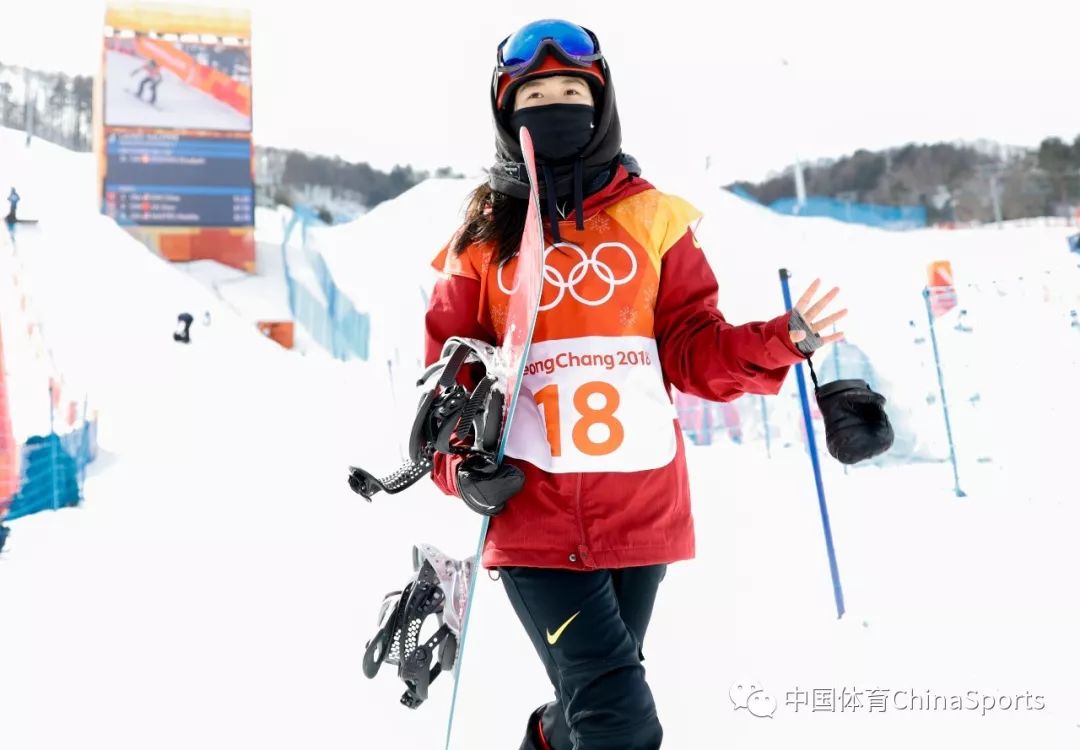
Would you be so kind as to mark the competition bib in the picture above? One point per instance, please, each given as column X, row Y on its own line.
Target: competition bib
column 593, row 404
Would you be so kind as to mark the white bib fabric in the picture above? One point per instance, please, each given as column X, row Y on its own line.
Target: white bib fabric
column 593, row 404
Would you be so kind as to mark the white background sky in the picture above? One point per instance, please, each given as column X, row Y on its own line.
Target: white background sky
column 407, row 82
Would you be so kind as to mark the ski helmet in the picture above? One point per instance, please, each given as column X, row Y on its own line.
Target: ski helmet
column 546, row 48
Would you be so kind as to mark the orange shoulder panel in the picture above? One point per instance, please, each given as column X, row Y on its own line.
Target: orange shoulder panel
column 472, row 263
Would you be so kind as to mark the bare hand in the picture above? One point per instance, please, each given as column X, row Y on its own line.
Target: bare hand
column 812, row 313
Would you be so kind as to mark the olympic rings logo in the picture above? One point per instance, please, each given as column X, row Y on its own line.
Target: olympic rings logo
column 553, row 277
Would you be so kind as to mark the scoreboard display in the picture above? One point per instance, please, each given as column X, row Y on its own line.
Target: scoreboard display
column 173, row 110
column 152, row 205
column 169, row 179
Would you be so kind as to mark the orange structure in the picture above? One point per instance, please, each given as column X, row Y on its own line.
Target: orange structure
column 233, row 247
column 280, row 331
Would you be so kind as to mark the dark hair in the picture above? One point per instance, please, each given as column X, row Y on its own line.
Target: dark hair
column 492, row 217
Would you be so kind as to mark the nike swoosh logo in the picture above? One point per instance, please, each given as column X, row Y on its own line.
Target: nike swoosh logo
column 553, row 638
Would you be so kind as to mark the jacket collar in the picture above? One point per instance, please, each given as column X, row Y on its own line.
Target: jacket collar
column 621, row 186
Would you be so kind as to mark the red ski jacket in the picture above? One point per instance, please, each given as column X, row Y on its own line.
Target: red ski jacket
column 628, row 309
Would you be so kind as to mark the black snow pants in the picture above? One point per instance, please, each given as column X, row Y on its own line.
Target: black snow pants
column 587, row 628
column 153, row 83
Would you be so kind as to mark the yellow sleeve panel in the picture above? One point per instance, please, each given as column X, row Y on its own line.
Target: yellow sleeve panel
column 656, row 220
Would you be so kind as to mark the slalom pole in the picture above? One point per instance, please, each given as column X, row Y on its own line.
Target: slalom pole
column 941, row 387
column 834, row 570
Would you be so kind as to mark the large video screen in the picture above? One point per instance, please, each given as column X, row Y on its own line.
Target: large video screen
column 173, row 139
column 150, row 82
column 171, row 179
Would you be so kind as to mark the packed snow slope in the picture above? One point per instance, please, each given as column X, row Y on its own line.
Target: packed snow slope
column 218, row 585
column 382, row 261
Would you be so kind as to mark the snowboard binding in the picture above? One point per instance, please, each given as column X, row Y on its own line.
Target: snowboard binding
column 438, row 581
column 449, row 419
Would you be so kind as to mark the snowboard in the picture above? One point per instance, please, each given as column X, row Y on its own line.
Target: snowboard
column 513, row 355
column 12, row 223
column 155, row 105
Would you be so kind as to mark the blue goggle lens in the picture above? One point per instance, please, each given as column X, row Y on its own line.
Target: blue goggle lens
column 521, row 46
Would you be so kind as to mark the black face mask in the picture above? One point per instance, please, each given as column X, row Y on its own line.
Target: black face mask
column 560, row 132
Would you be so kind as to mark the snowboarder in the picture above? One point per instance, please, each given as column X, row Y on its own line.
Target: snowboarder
column 151, row 78
column 12, row 217
column 13, row 203
column 4, row 531
column 182, row 334
column 595, row 483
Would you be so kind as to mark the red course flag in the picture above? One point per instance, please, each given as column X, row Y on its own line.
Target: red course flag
column 939, row 280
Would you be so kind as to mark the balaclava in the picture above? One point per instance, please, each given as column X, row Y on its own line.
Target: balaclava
column 578, row 146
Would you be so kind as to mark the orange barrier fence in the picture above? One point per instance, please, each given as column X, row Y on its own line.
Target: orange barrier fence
column 9, row 461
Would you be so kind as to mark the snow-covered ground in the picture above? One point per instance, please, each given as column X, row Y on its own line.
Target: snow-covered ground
column 382, row 262
column 261, row 296
column 217, row 587
column 178, row 105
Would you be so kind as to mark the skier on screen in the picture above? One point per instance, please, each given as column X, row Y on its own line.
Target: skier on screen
column 151, row 78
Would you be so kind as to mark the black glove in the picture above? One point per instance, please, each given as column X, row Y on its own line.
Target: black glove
column 856, row 425
column 486, row 486
column 813, row 340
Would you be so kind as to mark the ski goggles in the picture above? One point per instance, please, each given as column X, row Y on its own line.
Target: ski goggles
column 526, row 48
